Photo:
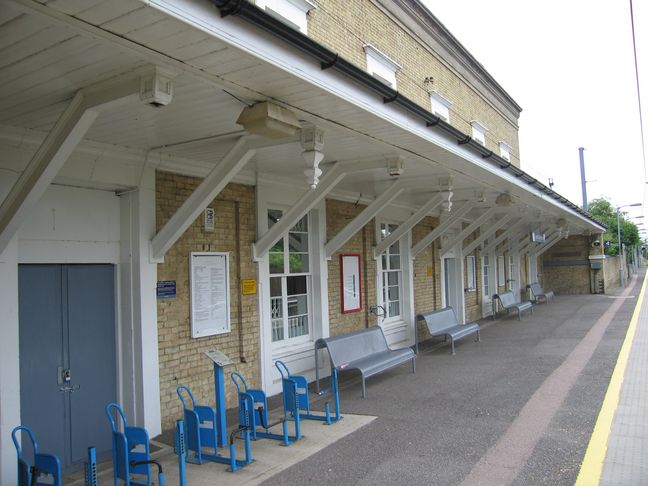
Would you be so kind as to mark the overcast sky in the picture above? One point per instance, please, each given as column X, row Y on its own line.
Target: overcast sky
column 570, row 65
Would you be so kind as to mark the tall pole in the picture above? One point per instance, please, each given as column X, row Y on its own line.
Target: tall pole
column 621, row 259
column 583, row 183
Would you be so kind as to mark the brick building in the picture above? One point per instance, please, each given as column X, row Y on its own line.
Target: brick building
column 270, row 144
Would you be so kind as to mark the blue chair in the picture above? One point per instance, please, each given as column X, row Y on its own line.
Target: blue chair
column 46, row 469
column 131, row 451
column 253, row 413
column 200, row 428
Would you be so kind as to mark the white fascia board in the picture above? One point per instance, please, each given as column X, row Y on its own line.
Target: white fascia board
column 240, row 34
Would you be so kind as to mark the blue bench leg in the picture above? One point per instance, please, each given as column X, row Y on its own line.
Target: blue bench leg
column 413, row 365
column 478, row 337
column 363, row 388
column 452, row 346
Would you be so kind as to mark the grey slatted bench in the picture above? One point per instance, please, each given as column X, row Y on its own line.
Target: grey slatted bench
column 365, row 350
column 539, row 294
column 508, row 303
column 444, row 323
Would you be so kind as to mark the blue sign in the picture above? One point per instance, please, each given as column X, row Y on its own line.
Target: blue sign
column 166, row 289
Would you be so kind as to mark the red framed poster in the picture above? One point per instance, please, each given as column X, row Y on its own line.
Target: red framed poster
column 350, row 282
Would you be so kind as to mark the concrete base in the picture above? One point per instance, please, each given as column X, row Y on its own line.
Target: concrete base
column 270, row 457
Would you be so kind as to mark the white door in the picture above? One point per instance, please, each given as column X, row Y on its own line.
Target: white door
column 453, row 286
column 513, row 281
column 489, row 286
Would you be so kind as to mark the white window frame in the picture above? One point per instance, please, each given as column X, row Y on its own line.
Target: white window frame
column 511, row 269
column 383, row 271
column 288, row 341
column 291, row 12
column 505, row 151
column 478, row 132
column 486, row 269
column 381, row 66
column 440, row 106
column 501, row 271
column 471, row 274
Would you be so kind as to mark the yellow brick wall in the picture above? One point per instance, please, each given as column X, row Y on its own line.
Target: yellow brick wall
column 427, row 291
column 181, row 357
column 568, row 279
column 345, row 26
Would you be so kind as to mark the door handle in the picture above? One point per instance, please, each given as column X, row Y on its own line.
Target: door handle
column 69, row 388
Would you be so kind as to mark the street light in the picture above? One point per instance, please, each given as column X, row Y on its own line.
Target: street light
column 622, row 263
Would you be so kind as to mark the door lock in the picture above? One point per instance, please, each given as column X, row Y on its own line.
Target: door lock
column 69, row 388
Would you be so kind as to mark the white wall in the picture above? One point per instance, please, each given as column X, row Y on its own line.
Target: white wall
column 9, row 363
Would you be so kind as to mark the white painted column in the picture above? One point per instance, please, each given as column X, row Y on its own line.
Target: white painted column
column 9, row 361
column 138, row 334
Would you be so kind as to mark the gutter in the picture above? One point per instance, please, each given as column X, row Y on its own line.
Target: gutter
column 332, row 60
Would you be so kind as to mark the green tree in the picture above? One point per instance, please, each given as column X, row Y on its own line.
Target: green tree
column 603, row 211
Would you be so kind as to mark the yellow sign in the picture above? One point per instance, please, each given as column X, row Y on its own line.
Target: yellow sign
column 248, row 287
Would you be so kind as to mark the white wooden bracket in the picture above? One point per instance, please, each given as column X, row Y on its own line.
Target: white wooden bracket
column 485, row 232
column 205, row 193
column 455, row 215
column 549, row 243
column 464, row 233
column 403, row 228
column 506, row 234
column 54, row 151
column 305, row 203
column 377, row 205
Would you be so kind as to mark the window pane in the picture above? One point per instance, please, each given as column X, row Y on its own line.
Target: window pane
column 394, row 262
column 384, row 261
column 278, row 246
column 393, row 293
column 274, row 215
column 297, row 305
column 276, row 262
column 296, row 285
column 298, row 262
column 298, row 242
column 394, row 249
column 277, row 330
column 275, row 287
column 394, row 309
column 392, row 278
column 297, row 326
column 301, row 226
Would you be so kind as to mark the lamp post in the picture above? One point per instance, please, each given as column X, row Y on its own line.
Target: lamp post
column 622, row 263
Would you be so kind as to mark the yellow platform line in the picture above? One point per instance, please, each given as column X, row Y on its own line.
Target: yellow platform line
column 592, row 466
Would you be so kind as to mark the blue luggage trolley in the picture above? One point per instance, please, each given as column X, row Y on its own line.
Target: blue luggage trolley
column 46, row 469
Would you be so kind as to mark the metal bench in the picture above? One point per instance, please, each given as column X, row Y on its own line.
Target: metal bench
column 539, row 294
column 444, row 323
column 508, row 303
column 365, row 350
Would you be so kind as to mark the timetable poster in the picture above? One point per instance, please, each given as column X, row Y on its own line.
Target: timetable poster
column 210, row 294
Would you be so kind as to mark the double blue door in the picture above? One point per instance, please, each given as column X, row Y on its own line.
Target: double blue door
column 67, row 356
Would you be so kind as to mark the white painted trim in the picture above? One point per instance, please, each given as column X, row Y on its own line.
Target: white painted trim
column 209, row 188
column 468, row 230
column 381, row 57
column 260, row 44
column 309, row 199
column 485, row 232
column 363, row 218
column 405, row 227
column 453, row 217
column 68, row 131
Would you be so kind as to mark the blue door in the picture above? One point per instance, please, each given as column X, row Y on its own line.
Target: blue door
column 67, row 356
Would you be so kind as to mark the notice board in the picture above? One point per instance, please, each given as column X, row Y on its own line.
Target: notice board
column 210, row 293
